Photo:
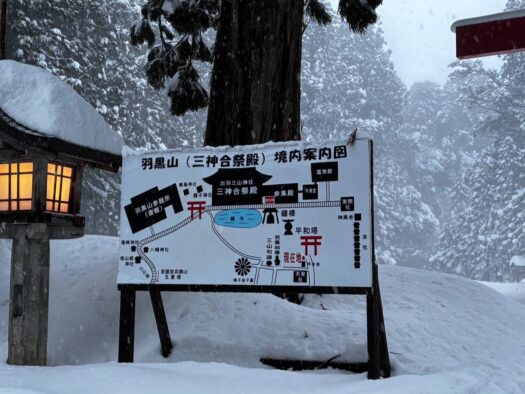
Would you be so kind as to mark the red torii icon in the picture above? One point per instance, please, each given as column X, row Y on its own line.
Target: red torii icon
column 196, row 206
column 311, row 240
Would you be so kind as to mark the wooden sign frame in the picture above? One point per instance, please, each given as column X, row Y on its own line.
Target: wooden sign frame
column 378, row 364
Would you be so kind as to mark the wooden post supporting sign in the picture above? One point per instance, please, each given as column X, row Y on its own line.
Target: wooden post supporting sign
column 162, row 325
column 126, row 342
column 378, row 356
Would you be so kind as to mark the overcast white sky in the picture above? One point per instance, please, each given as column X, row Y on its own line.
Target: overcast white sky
column 418, row 33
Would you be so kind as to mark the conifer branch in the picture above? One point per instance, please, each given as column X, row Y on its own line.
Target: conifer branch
column 178, row 21
column 317, row 11
column 359, row 14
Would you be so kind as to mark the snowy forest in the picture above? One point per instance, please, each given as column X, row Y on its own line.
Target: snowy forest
column 450, row 162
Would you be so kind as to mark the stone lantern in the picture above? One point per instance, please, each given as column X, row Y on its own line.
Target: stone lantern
column 41, row 168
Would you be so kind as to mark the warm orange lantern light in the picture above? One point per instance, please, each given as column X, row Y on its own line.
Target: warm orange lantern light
column 59, row 183
column 16, row 186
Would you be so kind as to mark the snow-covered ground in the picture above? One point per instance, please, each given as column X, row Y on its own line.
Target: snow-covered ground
column 512, row 290
column 446, row 335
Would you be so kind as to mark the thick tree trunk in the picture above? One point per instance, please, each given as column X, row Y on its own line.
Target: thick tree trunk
column 3, row 28
column 255, row 87
column 256, row 80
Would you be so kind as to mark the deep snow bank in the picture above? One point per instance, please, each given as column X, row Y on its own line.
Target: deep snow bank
column 457, row 335
column 515, row 290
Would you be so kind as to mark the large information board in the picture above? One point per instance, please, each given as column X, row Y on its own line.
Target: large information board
column 289, row 215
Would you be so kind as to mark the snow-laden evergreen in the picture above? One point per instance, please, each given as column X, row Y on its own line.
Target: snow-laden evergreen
column 352, row 83
column 432, row 178
column 481, row 239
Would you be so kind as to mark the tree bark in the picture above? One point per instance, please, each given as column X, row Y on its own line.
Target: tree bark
column 3, row 28
column 255, row 86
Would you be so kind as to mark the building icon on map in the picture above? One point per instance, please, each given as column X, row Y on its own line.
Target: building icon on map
column 237, row 186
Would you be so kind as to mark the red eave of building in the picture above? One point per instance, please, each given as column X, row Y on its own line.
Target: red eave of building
column 490, row 35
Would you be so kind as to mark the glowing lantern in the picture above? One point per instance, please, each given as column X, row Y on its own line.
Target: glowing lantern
column 59, row 182
column 18, row 182
column 16, row 186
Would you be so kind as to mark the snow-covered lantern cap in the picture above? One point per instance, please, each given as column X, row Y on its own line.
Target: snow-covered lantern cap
column 48, row 133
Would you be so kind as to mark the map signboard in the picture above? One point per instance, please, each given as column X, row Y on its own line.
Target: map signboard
column 289, row 215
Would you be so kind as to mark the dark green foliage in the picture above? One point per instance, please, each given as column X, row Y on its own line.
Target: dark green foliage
column 179, row 29
column 176, row 28
column 184, row 49
column 142, row 31
column 318, row 12
column 187, row 19
column 173, row 60
column 186, row 92
column 163, row 63
column 375, row 3
column 201, row 51
column 152, row 9
column 155, row 72
column 156, row 52
column 167, row 32
column 359, row 14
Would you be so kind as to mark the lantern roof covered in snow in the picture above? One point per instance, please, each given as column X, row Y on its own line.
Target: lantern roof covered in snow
column 41, row 113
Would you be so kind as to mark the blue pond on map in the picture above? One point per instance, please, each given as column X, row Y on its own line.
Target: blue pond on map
column 240, row 218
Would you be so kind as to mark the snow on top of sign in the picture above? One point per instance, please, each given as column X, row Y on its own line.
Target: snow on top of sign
column 487, row 18
column 518, row 261
column 128, row 151
column 40, row 101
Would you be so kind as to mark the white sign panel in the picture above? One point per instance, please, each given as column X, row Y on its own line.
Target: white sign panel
column 289, row 214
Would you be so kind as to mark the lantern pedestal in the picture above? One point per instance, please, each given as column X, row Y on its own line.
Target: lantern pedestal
column 28, row 309
column 29, row 293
